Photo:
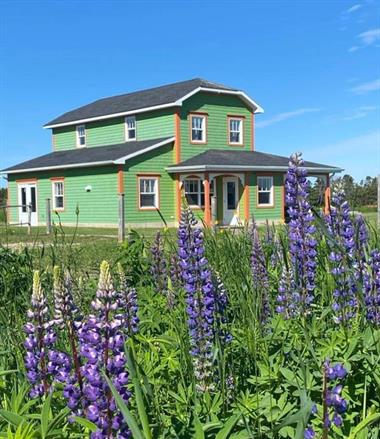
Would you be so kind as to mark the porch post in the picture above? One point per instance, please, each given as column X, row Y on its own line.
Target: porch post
column 206, row 184
column 327, row 195
column 246, row 196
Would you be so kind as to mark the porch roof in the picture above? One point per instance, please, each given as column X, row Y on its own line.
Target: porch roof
column 89, row 156
column 227, row 160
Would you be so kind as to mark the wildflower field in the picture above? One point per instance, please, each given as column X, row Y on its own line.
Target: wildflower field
column 263, row 332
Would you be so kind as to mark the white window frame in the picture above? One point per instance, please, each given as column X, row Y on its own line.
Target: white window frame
column 270, row 191
column 54, row 184
column 155, row 193
column 78, row 127
column 200, row 192
column 241, row 130
column 203, row 127
column 127, row 129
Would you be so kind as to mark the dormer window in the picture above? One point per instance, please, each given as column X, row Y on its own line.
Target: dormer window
column 198, row 123
column 130, row 128
column 81, row 136
column 235, row 130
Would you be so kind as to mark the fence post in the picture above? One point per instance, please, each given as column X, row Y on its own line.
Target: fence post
column 48, row 217
column 29, row 207
column 121, row 233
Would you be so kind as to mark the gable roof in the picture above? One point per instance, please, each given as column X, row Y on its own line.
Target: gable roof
column 216, row 160
column 86, row 157
column 165, row 96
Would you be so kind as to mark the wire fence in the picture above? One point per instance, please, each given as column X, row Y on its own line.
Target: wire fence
column 26, row 208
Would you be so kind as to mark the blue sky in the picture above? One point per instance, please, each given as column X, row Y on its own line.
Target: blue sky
column 314, row 66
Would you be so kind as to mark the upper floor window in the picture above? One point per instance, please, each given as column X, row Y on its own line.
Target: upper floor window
column 130, row 128
column 81, row 136
column 265, row 191
column 148, row 193
column 198, row 128
column 58, row 195
column 235, row 130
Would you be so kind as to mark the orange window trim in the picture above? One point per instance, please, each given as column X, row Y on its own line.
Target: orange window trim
column 327, row 195
column 27, row 180
column 265, row 206
column 192, row 142
column 147, row 209
column 229, row 117
column 120, row 180
column 207, row 208
column 178, row 197
column 246, row 196
column 57, row 178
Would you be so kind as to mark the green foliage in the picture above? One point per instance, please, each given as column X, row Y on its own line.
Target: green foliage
column 271, row 377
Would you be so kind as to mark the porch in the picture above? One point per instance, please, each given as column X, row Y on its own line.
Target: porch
column 228, row 188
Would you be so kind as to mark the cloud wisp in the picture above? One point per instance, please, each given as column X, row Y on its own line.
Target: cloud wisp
column 284, row 116
column 366, row 87
column 367, row 38
column 360, row 112
column 353, row 9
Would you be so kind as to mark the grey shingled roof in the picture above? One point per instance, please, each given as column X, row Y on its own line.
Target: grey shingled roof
column 151, row 97
column 79, row 156
column 216, row 158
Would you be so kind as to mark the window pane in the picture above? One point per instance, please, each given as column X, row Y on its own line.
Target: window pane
column 234, row 137
column 33, row 198
column 192, row 199
column 59, row 202
column 147, row 200
column 231, row 195
column 131, row 134
column 264, row 198
column 23, row 199
column 197, row 128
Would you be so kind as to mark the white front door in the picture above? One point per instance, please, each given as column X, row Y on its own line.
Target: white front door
column 230, row 200
column 27, row 196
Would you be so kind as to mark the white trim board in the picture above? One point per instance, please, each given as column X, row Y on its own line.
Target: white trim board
column 178, row 103
column 203, row 168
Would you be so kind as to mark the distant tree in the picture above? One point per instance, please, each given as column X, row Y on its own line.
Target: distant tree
column 359, row 194
column 3, row 196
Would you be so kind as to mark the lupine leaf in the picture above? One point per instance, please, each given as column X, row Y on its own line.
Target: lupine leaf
column 86, row 423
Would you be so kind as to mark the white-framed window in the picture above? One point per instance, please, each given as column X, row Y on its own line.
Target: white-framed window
column 148, row 193
column 58, row 195
column 81, row 136
column 195, row 192
column 264, row 191
column 198, row 128
column 235, row 130
column 130, row 128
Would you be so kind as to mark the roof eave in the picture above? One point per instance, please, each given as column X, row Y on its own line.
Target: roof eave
column 203, row 168
column 48, row 168
column 178, row 103
column 123, row 159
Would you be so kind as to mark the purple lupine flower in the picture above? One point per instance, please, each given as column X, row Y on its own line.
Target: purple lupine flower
column 127, row 301
column 102, row 346
column 343, row 258
column 68, row 316
column 288, row 298
column 199, row 297
column 43, row 364
column 334, row 404
column 221, row 304
column 371, row 282
column 309, row 433
column 302, row 243
column 159, row 265
column 260, row 276
column 362, row 233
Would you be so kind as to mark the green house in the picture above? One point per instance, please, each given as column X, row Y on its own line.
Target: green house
column 150, row 148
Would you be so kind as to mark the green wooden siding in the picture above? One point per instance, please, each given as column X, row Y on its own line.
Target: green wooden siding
column 99, row 206
column 153, row 162
column 218, row 107
column 150, row 125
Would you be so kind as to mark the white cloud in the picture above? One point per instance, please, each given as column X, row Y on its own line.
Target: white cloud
column 370, row 36
column 353, row 9
column 284, row 116
column 353, row 49
column 358, row 155
column 366, row 87
column 360, row 112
